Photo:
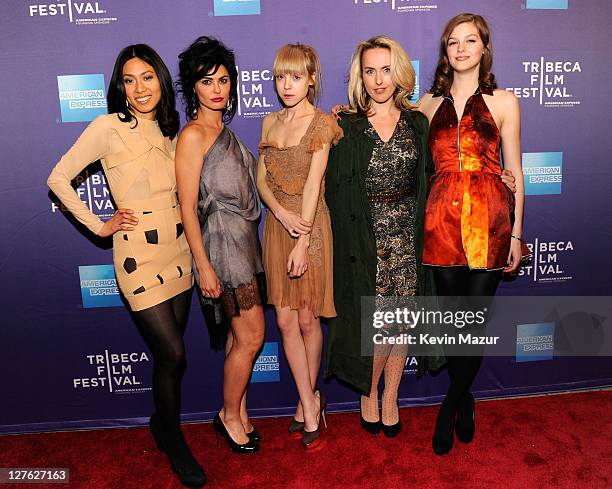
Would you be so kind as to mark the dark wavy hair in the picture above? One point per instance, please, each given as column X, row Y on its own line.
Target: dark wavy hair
column 204, row 55
column 166, row 115
column 443, row 79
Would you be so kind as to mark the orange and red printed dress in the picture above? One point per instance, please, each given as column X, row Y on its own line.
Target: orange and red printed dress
column 467, row 217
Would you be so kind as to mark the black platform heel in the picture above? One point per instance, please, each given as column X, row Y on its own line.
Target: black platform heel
column 465, row 425
column 391, row 431
column 172, row 442
column 444, row 435
column 295, row 428
column 312, row 439
column 220, row 429
column 372, row 427
column 254, row 436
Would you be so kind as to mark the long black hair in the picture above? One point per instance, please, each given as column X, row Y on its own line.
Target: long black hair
column 204, row 55
column 166, row 115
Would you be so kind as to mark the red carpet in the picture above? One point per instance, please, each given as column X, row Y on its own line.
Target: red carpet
column 560, row 441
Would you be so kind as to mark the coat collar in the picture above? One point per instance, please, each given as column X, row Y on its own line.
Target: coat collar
column 359, row 122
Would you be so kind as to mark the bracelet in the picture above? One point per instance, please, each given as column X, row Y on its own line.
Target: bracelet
column 516, row 237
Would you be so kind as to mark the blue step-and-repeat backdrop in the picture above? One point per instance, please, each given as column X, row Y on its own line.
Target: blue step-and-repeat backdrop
column 70, row 356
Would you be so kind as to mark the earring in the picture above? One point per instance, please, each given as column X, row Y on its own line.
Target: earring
column 229, row 106
column 127, row 103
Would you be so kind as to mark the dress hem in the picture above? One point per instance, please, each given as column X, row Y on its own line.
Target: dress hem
column 484, row 269
column 322, row 313
column 158, row 295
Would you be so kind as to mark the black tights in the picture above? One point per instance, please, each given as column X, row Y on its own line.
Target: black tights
column 163, row 326
column 453, row 282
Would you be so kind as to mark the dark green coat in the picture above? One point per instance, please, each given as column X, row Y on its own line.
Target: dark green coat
column 355, row 245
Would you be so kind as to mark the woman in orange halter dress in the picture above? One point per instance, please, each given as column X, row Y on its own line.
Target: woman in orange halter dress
column 473, row 229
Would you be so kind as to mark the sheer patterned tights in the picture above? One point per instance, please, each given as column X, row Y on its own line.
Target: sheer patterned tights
column 390, row 359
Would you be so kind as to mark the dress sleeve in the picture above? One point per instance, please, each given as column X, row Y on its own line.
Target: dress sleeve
column 263, row 146
column 326, row 131
column 92, row 145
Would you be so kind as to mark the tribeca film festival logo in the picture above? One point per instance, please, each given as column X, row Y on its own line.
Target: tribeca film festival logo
column 535, row 342
column 82, row 97
column 92, row 190
column 546, row 4
column 99, row 286
column 548, row 82
column 266, row 368
column 255, row 101
column 237, row 7
column 402, row 6
column 543, row 173
column 546, row 264
column 115, row 372
column 78, row 13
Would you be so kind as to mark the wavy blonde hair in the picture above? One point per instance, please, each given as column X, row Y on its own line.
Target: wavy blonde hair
column 402, row 74
column 300, row 59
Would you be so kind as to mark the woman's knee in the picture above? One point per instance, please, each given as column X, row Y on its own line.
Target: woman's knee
column 255, row 340
column 287, row 324
column 248, row 341
column 309, row 324
column 173, row 356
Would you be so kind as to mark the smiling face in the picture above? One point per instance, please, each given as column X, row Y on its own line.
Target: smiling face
column 142, row 88
column 213, row 90
column 376, row 74
column 465, row 47
column 292, row 88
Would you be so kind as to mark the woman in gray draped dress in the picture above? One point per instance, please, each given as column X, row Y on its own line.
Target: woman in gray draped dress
column 220, row 210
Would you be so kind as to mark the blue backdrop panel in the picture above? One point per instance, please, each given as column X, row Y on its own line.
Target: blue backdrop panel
column 70, row 355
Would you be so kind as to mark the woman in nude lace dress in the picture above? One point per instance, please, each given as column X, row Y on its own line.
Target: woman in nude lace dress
column 294, row 147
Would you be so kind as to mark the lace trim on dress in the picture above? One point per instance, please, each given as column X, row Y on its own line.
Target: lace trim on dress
column 325, row 131
column 290, row 179
column 242, row 298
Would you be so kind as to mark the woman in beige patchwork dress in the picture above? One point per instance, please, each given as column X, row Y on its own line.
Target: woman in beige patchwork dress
column 135, row 143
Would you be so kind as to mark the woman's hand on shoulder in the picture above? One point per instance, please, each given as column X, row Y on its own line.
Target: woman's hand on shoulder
column 426, row 105
column 338, row 108
column 122, row 220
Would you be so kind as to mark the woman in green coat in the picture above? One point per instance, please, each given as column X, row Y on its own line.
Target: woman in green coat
column 376, row 190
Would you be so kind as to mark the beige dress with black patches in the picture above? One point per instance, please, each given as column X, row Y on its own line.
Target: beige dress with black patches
column 152, row 262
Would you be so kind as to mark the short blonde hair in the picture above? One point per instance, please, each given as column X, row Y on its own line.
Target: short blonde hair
column 300, row 59
column 402, row 74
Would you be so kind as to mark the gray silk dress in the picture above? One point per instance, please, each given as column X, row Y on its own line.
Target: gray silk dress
column 229, row 210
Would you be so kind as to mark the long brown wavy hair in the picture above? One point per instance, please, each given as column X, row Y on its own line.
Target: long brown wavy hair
column 443, row 78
